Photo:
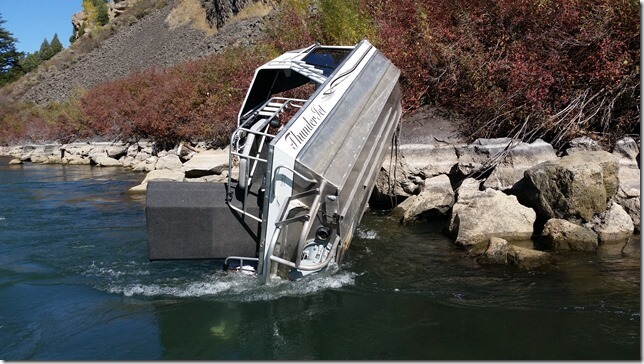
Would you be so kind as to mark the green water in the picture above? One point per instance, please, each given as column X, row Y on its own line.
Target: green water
column 75, row 283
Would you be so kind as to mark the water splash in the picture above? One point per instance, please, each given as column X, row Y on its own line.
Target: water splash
column 366, row 234
column 234, row 287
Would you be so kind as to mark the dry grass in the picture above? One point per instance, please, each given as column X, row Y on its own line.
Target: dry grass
column 189, row 12
column 258, row 9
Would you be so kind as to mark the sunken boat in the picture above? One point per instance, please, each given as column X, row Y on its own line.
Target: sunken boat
column 311, row 136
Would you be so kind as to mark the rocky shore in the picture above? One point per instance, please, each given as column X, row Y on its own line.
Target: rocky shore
column 507, row 202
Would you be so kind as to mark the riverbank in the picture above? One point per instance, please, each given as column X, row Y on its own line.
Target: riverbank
column 507, row 202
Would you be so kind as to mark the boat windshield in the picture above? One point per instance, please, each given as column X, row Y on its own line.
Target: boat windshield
column 326, row 59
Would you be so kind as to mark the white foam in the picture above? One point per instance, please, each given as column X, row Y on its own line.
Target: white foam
column 237, row 287
column 366, row 234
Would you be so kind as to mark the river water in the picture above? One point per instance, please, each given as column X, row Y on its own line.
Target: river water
column 75, row 283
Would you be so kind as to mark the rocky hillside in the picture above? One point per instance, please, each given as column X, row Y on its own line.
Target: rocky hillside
column 154, row 40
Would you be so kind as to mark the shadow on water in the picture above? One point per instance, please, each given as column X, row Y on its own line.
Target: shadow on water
column 76, row 283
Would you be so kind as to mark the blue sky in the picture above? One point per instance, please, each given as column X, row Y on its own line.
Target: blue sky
column 31, row 21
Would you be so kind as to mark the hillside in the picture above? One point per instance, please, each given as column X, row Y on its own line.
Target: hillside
column 150, row 42
column 177, row 69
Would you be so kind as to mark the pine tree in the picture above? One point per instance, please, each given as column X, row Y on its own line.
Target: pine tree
column 56, row 45
column 45, row 51
column 9, row 56
column 29, row 63
column 102, row 16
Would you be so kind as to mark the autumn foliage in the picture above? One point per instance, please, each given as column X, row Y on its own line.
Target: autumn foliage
column 198, row 100
column 552, row 69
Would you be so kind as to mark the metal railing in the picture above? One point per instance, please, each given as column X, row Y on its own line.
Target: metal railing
column 256, row 124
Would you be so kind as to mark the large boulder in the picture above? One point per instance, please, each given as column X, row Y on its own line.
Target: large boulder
column 77, row 152
column 529, row 259
column 394, row 183
column 206, row 163
column 169, row 161
column 498, row 251
column 479, row 215
column 103, row 160
column 561, row 234
column 506, row 158
column 519, row 158
column 493, row 251
column 157, row 175
column 428, row 160
column 116, row 151
column 480, row 153
column 613, row 224
column 574, row 188
column 632, row 208
column 582, row 144
column 146, row 165
column 627, row 153
column 77, row 160
column 435, row 200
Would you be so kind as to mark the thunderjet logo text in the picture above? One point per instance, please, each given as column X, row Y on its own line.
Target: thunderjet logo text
column 296, row 139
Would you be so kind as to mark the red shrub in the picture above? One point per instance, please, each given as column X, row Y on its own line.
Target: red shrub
column 199, row 99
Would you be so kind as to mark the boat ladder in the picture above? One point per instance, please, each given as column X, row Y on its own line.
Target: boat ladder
column 247, row 144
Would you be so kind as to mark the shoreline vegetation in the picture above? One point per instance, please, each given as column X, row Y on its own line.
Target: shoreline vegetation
column 550, row 70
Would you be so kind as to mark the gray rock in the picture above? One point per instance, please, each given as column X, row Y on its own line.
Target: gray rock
column 493, row 251
column 632, row 207
column 169, row 161
column 627, row 148
column 26, row 156
column 613, row 224
column 39, row 155
column 627, row 151
column 485, row 214
column 129, row 161
column 216, row 178
column 206, row 163
column 469, row 188
column 133, row 150
column 146, row 165
column 560, row 234
column 529, row 259
column 142, row 156
column 77, row 149
column 428, row 160
column 77, row 160
column 629, row 181
column 102, row 160
column 435, row 200
column 574, row 188
column 157, row 175
column 393, row 184
column 523, row 156
column 116, row 151
column 582, row 144
column 499, row 251
column 53, row 159
column 15, row 161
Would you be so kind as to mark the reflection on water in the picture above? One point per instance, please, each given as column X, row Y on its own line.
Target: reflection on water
column 75, row 283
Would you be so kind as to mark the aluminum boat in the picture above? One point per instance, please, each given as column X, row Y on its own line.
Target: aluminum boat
column 312, row 134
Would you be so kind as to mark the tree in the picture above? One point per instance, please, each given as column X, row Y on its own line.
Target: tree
column 55, row 44
column 29, row 63
column 9, row 56
column 102, row 16
column 45, row 51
